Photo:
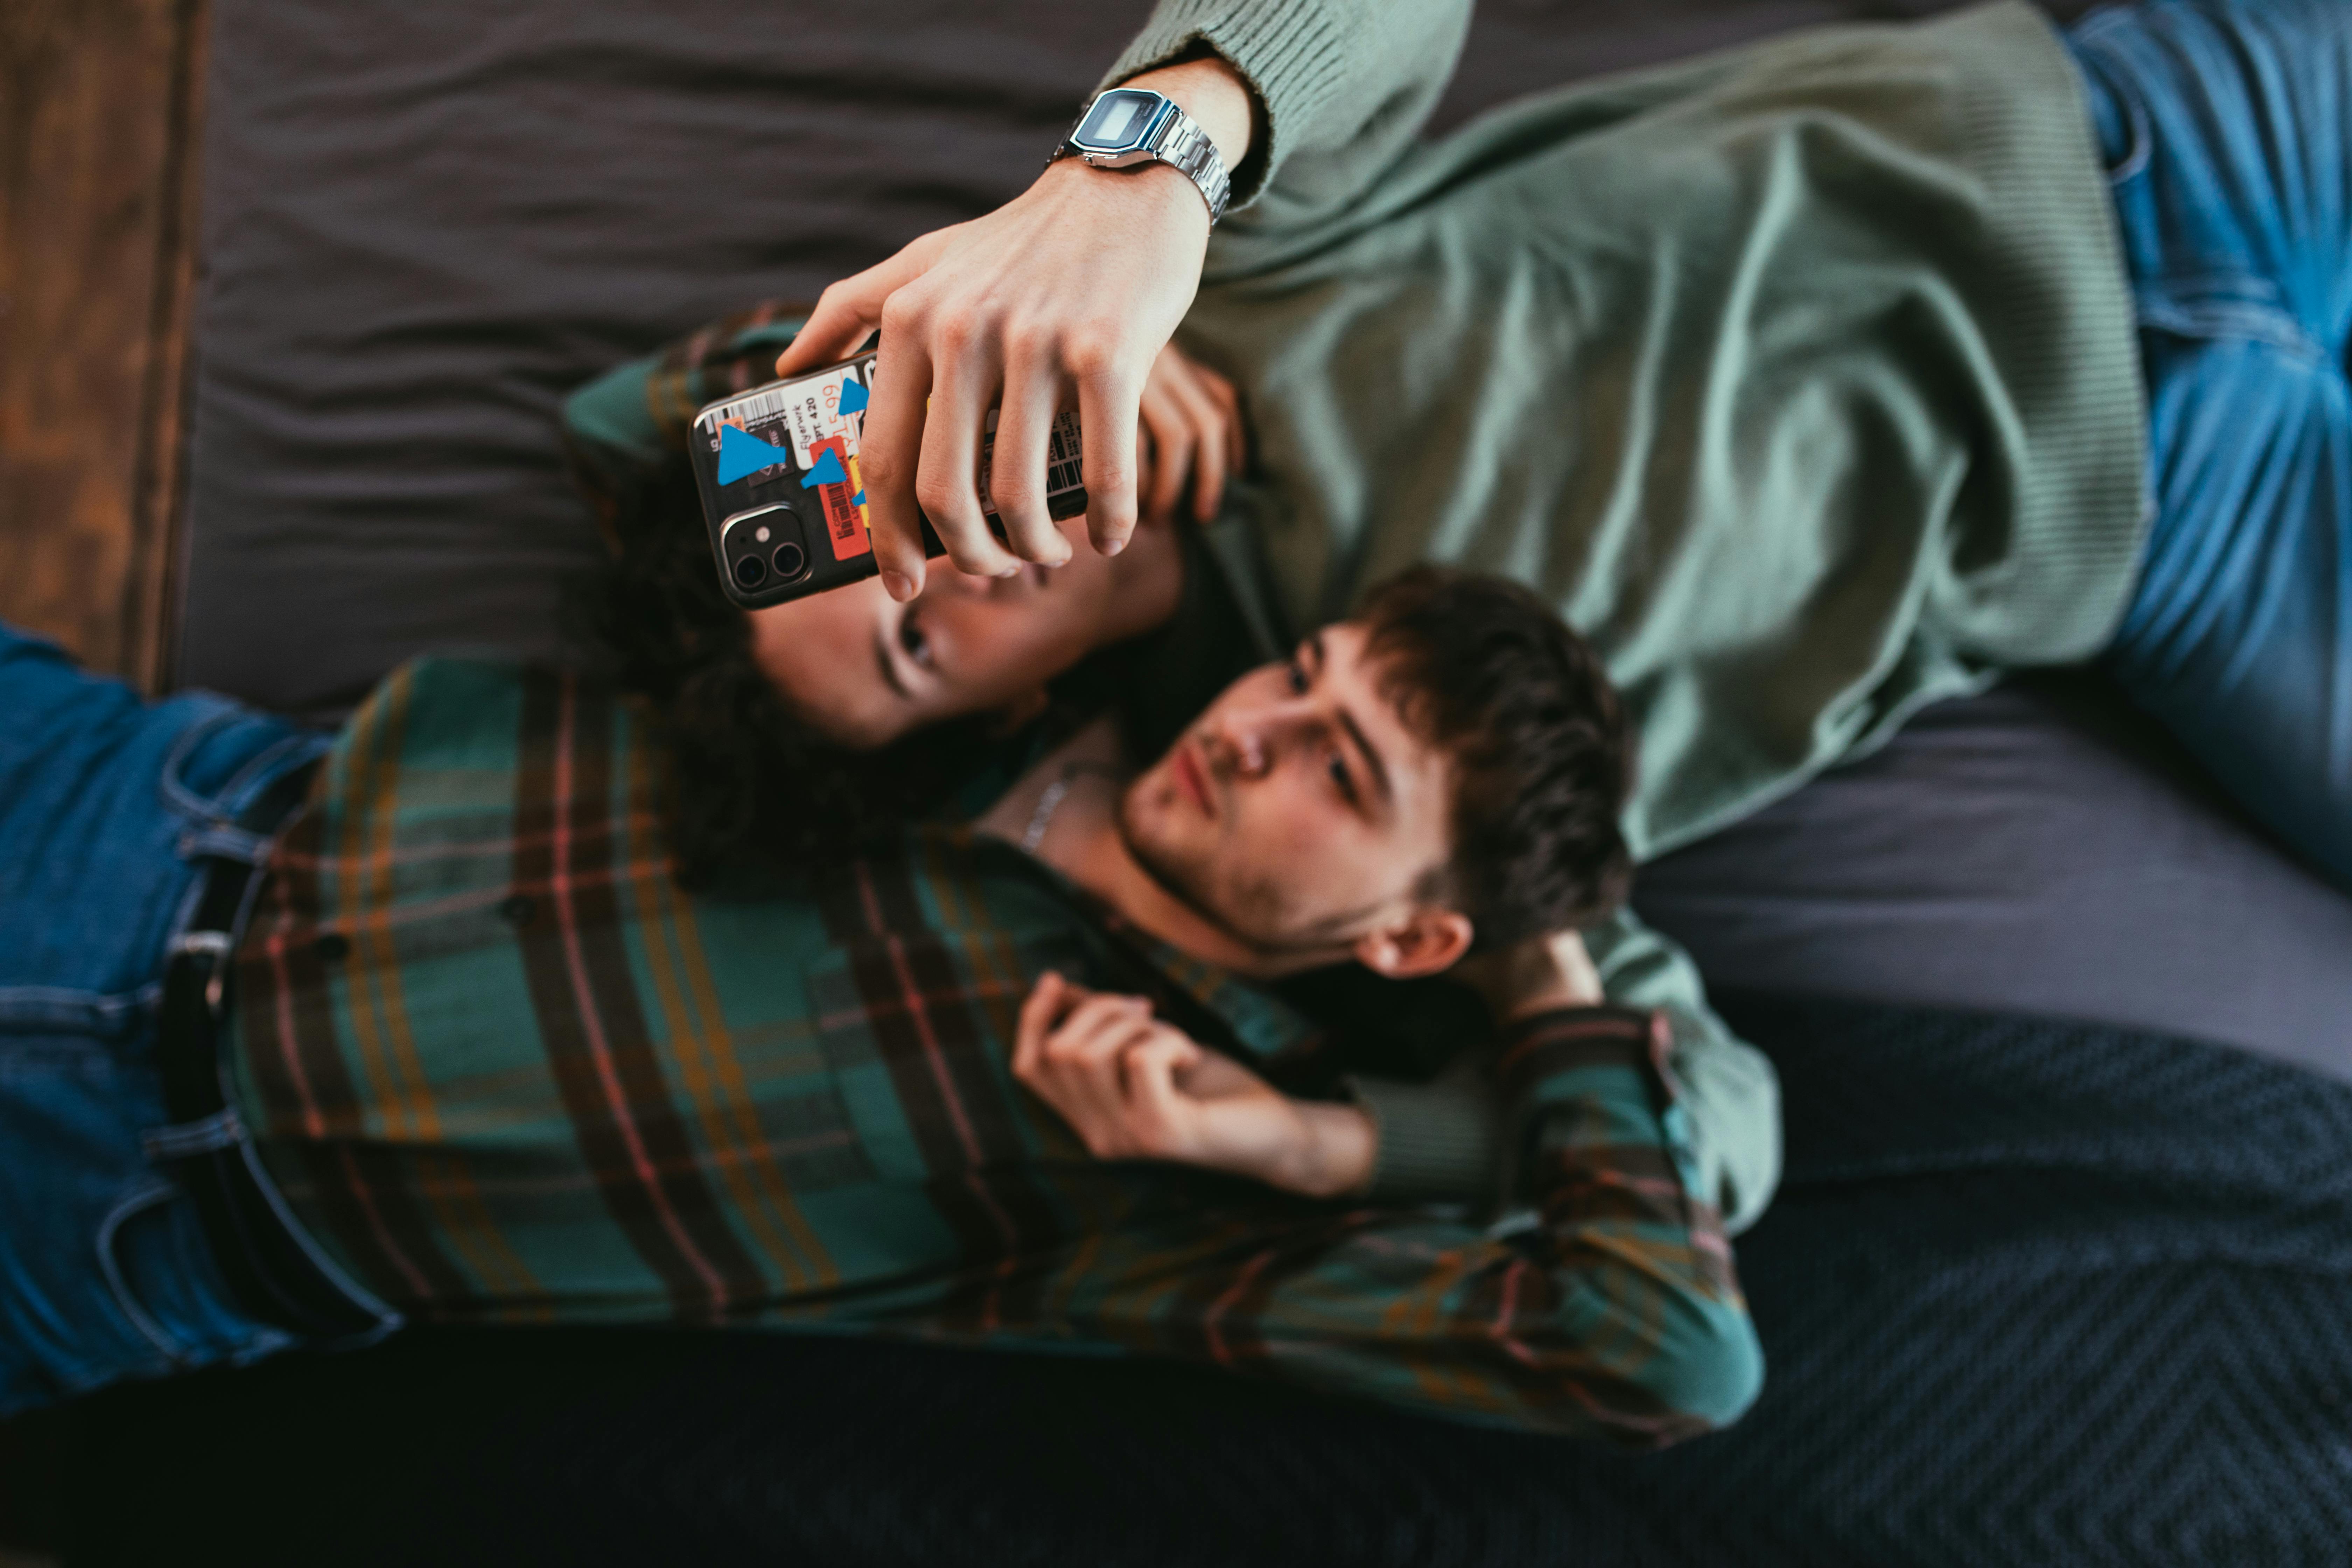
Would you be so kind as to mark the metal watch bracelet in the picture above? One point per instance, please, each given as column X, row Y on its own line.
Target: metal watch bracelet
column 1172, row 137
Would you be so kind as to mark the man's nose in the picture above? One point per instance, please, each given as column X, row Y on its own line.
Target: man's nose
column 1252, row 739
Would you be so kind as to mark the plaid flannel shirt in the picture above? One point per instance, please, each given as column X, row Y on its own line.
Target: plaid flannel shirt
column 507, row 1072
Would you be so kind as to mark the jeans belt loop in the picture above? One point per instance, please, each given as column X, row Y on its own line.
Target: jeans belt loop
column 210, row 948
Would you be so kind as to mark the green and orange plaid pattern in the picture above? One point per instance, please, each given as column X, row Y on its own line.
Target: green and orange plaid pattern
column 508, row 1072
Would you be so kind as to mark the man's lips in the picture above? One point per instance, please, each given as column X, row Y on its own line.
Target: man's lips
column 1191, row 777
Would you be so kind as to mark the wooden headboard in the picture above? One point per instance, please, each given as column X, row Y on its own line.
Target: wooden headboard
column 100, row 111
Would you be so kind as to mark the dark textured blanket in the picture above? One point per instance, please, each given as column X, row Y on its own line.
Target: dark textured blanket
column 2033, row 1294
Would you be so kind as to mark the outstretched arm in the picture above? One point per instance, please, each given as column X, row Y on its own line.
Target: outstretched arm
column 1062, row 296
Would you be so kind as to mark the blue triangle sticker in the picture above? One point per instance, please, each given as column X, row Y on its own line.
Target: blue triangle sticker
column 741, row 455
column 853, row 398
column 828, row 472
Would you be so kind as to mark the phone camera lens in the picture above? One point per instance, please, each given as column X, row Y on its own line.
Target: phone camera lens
column 751, row 572
column 790, row 560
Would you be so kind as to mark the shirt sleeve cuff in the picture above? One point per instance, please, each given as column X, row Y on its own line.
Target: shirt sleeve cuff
column 1437, row 1142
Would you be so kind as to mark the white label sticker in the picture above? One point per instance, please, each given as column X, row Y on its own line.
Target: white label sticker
column 813, row 412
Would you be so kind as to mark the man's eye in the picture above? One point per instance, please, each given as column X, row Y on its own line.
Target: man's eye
column 1341, row 777
column 911, row 639
column 1297, row 673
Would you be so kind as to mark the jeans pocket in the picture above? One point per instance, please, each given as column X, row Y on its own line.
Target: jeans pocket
column 140, row 1203
column 252, row 762
column 158, row 1266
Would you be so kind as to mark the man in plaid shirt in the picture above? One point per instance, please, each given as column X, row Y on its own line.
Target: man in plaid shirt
column 1032, row 1081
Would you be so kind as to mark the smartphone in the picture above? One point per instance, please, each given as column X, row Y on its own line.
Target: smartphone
column 777, row 466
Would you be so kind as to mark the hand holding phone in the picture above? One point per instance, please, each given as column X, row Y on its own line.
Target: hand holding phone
column 782, row 495
column 1060, row 297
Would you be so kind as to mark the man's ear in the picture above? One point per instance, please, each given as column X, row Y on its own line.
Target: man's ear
column 1024, row 708
column 1424, row 941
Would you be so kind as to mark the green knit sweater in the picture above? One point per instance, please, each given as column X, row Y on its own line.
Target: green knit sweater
column 1801, row 377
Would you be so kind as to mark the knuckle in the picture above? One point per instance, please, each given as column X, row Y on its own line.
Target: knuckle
column 902, row 313
column 939, row 497
column 1091, row 350
column 1015, row 492
column 1111, row 470
column 955, row 329
column 1027, row 341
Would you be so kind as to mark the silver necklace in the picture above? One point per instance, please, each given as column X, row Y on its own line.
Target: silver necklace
column 1050, row 801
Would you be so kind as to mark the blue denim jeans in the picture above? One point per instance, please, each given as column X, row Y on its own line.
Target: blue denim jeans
column 2225, row 124
column 105, row 802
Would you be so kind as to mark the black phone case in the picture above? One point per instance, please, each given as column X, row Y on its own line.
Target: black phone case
column 782, row 496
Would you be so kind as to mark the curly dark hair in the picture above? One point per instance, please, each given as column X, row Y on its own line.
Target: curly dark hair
column 1485, row 670
column 754, row 791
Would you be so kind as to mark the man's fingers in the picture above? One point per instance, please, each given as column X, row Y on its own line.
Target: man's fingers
column 1149, row 1067
column 845, row 314
column 1229, row 410
column 887, row 449
column 1209, row 421
column 946, row 486
column 1108, row 400
column 841, row 321
column 1157, row 1111
column 1172, row 450
column 1017, row 477
column 1078, row 1075
column 851, row 309
column 1047, row 1002
column 1092, row 1031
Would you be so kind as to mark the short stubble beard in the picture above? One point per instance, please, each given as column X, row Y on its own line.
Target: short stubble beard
column 1188, row 884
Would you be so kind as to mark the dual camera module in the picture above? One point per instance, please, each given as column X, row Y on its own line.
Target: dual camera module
column 766, row 545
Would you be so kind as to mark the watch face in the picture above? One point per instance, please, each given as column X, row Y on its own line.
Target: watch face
column 1118, row 122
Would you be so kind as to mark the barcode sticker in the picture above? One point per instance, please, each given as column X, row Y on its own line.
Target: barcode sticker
column 845, row 504
column 1065, row 461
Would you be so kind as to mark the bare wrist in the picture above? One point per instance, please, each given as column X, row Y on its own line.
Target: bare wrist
column 1212, row 92
column 1144, row 192
column 1341, row 1146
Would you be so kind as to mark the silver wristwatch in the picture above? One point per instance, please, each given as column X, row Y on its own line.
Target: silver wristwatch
column 1129, row 126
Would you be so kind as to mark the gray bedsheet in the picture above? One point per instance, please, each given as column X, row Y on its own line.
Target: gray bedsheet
column 2042, row 848
column 425, row 222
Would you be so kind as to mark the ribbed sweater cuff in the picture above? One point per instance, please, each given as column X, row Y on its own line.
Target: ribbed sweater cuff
column 1291, row 53
column 1437, row 1141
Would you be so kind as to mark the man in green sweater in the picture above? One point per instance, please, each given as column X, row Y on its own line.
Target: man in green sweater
column 1814, row 382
